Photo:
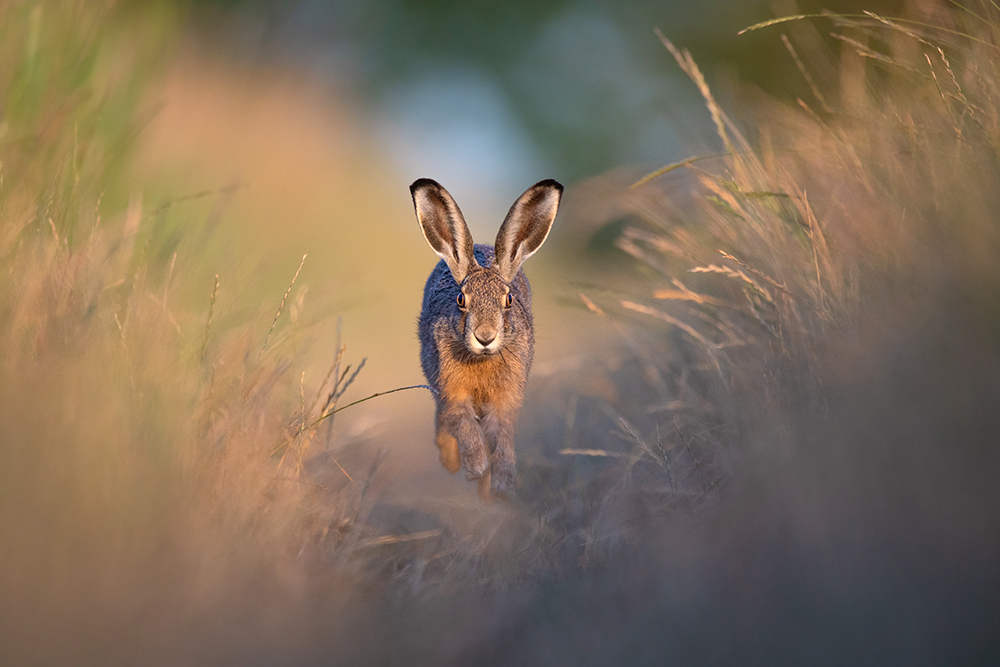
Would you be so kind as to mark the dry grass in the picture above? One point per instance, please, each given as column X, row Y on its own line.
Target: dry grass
column 832, row 221
column 165, row 474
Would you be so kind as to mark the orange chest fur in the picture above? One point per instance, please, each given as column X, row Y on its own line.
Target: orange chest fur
column 496, row 379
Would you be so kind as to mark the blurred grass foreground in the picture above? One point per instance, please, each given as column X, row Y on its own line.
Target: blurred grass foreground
column 792, row 456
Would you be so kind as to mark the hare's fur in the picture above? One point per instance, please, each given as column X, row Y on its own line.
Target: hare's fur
column 476, row 332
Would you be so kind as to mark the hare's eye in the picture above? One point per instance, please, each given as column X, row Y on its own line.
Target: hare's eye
column 461, row 300
column 508, row 300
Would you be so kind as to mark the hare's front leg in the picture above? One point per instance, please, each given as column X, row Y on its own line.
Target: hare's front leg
column 460, row 439
column 447, row 444
column 500, row 426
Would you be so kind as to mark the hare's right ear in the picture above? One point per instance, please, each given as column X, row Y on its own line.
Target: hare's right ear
column 443, row 226
column 526, row 226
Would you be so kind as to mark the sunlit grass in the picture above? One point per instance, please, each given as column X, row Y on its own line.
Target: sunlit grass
column 156, row 455
column 824, row 238
column 831, row 217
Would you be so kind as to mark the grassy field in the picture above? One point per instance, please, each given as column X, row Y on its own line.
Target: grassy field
column 772, row 440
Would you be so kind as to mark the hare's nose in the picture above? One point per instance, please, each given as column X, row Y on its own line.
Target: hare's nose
column 486, row 338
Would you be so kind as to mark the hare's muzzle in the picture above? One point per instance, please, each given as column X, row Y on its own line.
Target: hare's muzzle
column 484, row 340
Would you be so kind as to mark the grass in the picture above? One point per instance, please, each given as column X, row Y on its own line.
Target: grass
column 155, row 452
column 789, row 456
column 832, row 214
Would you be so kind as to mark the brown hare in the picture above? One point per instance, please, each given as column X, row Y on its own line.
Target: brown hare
column 476, row 332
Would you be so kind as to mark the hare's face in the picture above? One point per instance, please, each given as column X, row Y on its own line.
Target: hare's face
column 491, row 315
column 485, row 303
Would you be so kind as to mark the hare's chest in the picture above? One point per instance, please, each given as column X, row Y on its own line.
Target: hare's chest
column 493, row 380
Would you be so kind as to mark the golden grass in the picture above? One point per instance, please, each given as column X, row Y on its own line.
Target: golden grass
column 161, row 463
column 829, row 230
column 845, row 193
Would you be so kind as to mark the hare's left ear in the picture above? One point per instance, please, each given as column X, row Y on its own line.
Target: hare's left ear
column 444, row 227
column 526, row 226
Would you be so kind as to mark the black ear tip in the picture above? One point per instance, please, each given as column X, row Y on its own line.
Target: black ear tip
column 550, row 183
column 422, row 183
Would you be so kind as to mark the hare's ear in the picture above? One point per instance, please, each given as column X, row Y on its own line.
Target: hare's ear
column 526, row 226
column 443, row 226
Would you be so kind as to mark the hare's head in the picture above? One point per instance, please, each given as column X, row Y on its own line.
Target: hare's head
column 488, row 299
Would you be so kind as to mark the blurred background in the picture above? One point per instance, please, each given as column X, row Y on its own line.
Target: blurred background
column 488, row 98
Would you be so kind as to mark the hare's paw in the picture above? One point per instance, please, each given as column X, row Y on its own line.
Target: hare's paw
column 504, row 482
column 450, row 460
column 448, row 446
column 475, row 460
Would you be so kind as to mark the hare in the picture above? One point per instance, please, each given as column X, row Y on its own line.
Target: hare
column 476, row 332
